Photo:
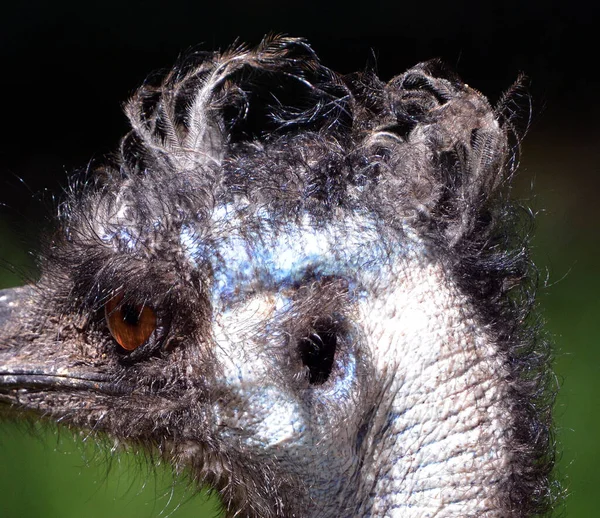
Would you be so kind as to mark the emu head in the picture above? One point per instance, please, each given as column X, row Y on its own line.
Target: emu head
column 301, row 287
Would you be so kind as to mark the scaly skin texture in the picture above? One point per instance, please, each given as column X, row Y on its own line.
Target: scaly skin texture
column 339, row 294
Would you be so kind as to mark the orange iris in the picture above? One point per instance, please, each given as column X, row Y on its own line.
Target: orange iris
column 130, row 324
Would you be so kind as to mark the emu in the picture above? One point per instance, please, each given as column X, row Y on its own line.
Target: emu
column 308, row 290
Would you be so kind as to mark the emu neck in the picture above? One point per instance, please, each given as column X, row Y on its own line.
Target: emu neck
column 442, row 450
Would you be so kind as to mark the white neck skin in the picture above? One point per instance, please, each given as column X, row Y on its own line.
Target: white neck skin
column 448, row 419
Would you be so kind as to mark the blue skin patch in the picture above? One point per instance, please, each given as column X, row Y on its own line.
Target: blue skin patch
column 254, row 253
column 281, row 254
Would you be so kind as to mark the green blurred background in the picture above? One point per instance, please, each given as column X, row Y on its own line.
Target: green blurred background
column 66, row 70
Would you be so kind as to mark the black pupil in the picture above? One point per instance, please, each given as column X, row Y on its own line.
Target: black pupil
column 131, row 314
column 317, row 352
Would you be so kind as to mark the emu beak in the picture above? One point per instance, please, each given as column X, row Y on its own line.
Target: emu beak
column 24, row 370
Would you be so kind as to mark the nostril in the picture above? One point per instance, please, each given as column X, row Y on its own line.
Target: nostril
column 317, row 352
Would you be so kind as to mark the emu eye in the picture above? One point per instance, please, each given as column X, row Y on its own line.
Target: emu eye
column 130, row 324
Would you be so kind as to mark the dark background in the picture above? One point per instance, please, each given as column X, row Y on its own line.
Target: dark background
column 68, row 67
